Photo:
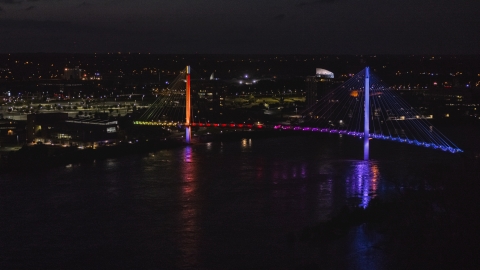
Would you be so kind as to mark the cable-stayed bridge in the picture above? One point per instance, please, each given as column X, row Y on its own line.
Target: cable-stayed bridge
column 173, row 108
column 363, row 106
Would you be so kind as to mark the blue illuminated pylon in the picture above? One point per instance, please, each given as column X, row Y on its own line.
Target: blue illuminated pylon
column 385, row 113
column 366, row 133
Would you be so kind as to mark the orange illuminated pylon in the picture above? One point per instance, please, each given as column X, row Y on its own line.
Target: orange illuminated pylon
column 188, row 131
column 187, row 97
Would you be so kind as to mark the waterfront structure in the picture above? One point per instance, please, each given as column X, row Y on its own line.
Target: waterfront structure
column 90, row 130
column 57, row 128
column 42, row 126
column 361, row 107
column 12, row 131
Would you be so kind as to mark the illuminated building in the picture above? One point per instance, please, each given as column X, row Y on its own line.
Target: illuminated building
column 95, row 77
column 73, row 73
column 210, row 98
column 12, row 131
column 318, row 85
column 91, row 130
column 40, row 127
column 58, row 128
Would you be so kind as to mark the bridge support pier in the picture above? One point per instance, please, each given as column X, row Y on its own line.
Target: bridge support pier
column 366, row 135
column 188, row 134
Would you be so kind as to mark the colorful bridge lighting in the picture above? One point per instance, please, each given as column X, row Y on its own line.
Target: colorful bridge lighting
column 362, row 107
column 211, row 125
column 372, row 136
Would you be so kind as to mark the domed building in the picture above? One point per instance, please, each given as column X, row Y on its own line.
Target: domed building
column 323, row 73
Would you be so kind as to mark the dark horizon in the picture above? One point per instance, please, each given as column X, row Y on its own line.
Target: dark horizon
column 439, row 27
column 247, row 54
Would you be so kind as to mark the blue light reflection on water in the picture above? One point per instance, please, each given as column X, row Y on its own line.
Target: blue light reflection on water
column 198, row 206
column 362, row 181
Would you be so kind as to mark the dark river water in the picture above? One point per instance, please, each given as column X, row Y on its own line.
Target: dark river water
column 216, row 205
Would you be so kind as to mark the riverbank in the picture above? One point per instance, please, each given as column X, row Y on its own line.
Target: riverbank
column 40, row 157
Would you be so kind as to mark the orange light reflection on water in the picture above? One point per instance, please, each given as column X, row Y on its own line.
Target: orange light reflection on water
column 189, row 213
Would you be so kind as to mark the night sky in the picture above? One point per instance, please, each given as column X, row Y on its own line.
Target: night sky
column 241, row 26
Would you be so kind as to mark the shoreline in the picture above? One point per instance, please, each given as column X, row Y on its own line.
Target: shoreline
column 42, row 157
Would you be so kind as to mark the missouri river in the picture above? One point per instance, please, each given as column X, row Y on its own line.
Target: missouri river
column 218, row 205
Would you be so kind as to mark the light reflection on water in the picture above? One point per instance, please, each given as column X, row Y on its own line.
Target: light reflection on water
column 189, row 235
column 362, row 181
column 209, row 146
column 302, row 185
column 246, row 144
column 203, row 206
